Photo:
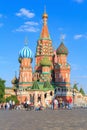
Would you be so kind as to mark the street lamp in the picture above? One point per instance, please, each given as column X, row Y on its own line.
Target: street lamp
column 73, row 94
column 20, row 90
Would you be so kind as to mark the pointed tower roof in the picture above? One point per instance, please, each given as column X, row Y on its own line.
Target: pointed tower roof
column 45, row 32
column 62, row 49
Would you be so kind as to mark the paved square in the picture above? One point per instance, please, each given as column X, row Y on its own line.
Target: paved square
column 43, row 120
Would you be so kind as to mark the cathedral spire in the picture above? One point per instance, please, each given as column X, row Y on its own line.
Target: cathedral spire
column 44, row 9
column 45, row 16
column 45, row 33
column 26, row 41
column 62, row 37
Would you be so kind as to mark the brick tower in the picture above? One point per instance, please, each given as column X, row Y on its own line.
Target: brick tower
column 62, row 68
column 62, row 72
column 25, row 60
column 44, row 45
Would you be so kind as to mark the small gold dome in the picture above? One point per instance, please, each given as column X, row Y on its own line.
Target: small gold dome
column 45, row 15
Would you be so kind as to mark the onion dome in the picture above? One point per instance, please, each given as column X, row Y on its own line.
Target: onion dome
column 14, row 80
column 25, row 53
column 62, row 49
column 45, row 15
column 45, row 62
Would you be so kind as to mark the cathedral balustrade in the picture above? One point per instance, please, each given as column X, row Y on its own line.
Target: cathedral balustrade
column 61, row 94
column 22, row 92
column 61, row 91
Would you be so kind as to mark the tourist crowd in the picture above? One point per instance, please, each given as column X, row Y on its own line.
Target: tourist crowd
column 8, row 105
column 27, row 105
column 58, row 103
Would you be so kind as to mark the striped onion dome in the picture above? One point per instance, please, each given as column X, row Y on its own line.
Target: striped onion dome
column 25, row 52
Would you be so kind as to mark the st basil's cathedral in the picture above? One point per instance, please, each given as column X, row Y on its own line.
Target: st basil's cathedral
column 51, row 76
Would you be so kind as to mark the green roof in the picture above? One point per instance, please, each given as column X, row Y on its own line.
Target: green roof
column 62, row 49
column 35, row 85
column 45, row 62
column 41, row 87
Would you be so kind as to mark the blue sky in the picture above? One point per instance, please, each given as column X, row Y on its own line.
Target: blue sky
column 23, row 18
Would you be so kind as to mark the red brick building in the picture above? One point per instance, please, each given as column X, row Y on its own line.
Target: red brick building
column 51, row 66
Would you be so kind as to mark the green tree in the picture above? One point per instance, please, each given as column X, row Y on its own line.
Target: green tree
column 82, row 91
column 47, row 84
column 12, row 98
column 35, row 85
column 75, row 86
column 2, row 90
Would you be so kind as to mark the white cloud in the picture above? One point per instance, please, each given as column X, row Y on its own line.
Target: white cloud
column 79, row 1
column 25, row 12
column 29, row 26
column 31, row 23
column 27, row 29
column 78, row 36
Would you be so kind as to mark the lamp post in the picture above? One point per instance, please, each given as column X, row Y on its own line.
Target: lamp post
column 73, row 94
column 20, row 96
column 16, row 88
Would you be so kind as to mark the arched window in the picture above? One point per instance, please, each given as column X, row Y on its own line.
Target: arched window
column 55, row 91
column 39, row 98
column 62, row 89
column 59, row 75
column 45, row 95
column 51, row 93
column 59, row 89
column 66, row 75
column 31, row 98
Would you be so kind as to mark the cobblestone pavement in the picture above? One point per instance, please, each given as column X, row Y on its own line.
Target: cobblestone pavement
column 44, row 120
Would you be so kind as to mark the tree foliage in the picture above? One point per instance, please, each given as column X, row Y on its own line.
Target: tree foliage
column 82, row 91
column 2, row 90
column 12, row 98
